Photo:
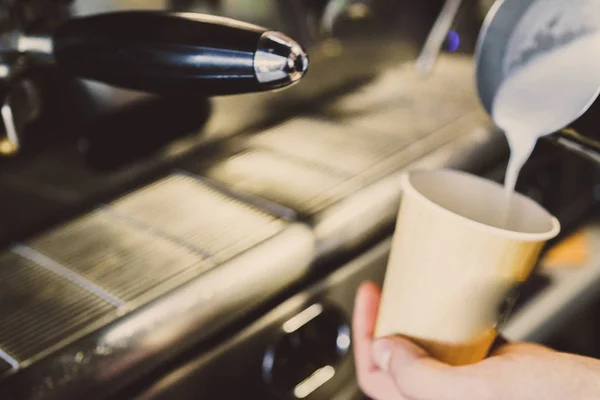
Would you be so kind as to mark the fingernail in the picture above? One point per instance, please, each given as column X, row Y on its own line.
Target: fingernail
column 382, row 353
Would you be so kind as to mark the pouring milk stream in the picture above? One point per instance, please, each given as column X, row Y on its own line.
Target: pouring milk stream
column 553, row 70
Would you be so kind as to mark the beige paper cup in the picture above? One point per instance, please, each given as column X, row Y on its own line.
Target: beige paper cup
column 454, row 260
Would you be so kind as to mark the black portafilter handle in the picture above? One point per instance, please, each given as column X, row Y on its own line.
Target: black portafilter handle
column 173, row 53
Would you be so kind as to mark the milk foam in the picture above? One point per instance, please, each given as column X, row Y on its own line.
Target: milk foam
column 543, row 96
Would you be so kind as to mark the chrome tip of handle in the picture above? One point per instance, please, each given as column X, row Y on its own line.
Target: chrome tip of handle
column 279, row 60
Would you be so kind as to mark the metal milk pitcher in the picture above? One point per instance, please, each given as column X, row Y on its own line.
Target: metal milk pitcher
column 517, row 31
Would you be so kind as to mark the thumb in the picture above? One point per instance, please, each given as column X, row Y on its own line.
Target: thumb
column 419, row 376
column 397, row 349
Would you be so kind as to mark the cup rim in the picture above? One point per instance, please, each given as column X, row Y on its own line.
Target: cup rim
column 554, row 230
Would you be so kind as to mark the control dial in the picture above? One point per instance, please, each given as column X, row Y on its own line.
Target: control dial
column 306, row 356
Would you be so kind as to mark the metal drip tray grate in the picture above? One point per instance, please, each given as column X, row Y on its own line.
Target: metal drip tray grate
column 39, row 308
column 280, row 179
column 340, row 148
column 123, row 259
column 191, row 212
column 409, row 122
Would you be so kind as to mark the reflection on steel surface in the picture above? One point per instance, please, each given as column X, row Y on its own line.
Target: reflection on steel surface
column 303, row 318
column 313, row 382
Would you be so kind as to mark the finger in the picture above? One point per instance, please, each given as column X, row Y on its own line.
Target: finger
column 366, row 308
column 419, row 376
column 375, row 383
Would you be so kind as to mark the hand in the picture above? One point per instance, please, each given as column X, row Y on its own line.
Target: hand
column 397, row 369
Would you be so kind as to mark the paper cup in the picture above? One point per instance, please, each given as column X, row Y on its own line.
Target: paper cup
column 454, row 259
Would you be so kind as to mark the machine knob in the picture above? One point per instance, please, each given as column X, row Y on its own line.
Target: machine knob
column 305, row 357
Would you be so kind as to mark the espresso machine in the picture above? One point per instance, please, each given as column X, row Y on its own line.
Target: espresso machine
column 160, row 241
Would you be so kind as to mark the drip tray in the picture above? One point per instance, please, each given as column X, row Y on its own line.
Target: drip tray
column 196, row 215
column 329, row 145
column 281, row 180
column 125, row 260
column 41, row 308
